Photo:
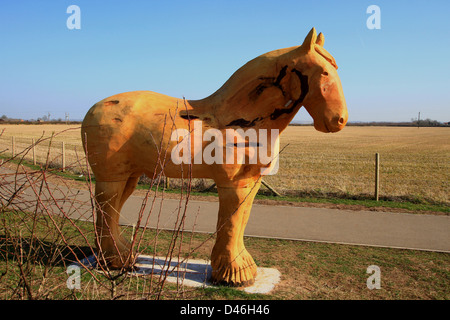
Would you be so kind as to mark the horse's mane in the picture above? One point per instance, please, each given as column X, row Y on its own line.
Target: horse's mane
column 324, row 53
column 318, row 48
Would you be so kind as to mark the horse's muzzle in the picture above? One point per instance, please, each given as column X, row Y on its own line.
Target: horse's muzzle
column 335, row 124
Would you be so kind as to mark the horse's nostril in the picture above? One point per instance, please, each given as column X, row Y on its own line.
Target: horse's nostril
column 341, row 121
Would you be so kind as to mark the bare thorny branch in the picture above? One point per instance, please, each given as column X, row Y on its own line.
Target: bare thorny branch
column 44, row 227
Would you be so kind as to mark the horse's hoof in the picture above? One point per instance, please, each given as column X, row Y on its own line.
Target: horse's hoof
column 238, row 272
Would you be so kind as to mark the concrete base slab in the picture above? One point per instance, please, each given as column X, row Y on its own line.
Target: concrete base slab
column 193, row 273
column 196, row 273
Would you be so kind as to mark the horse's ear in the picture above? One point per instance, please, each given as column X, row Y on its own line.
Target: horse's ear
column 310, row 40
column 320, row 39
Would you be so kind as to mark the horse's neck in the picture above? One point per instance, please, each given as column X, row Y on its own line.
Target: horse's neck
column 232, row 103
column 250, row 97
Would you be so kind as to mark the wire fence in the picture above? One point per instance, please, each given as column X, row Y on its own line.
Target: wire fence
column 55, row 154
column 349, row 175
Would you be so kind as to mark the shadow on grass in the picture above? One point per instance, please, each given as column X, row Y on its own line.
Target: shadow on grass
column 35, row 251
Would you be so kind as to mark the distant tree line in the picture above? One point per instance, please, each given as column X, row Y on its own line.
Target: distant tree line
column 412, row 123
column 44, row 119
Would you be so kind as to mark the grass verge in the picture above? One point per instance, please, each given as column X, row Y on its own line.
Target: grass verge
column 309, row 270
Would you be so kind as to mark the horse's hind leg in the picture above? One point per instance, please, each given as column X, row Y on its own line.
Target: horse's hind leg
column 128, row 190
column 110, row 196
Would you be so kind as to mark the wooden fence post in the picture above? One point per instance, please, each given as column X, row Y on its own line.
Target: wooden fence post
column 63, row 156
column 209, row 188
column 268, row 186
column 132, row 232
column 13, row 146
column 167, row 182
column 377, row 176
column 34, row 151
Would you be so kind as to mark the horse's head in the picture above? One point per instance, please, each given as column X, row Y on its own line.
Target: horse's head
column 268, row 91
column 315, row 84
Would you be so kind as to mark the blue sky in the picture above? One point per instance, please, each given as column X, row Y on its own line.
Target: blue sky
column 190, row 48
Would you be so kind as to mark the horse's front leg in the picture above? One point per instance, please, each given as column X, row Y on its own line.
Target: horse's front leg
column 230, row 261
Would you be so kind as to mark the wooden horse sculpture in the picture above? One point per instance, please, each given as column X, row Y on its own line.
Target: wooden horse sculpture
column 122, row 135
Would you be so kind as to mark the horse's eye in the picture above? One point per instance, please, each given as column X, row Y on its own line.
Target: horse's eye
column 325, row 73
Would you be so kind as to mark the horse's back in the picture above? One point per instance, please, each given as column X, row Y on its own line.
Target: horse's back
column 120, row 132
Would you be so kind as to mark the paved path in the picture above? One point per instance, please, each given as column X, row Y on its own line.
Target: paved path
column 384, row 229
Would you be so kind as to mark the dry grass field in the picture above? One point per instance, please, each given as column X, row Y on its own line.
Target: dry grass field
column 24, row 133
column 415, row 163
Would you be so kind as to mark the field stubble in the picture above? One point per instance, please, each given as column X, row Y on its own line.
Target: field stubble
column 414, row 161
